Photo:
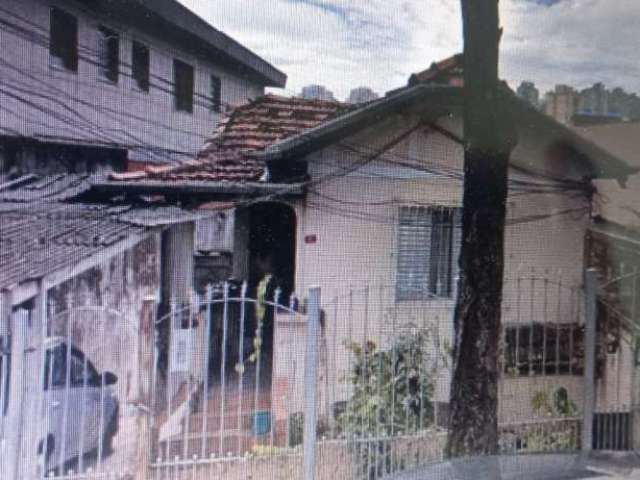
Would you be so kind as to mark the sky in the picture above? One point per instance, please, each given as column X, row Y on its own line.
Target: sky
column 344, row 44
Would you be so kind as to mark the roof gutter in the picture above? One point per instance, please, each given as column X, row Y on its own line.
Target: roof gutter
column 357, row 120
column 428, row 97
column 223, row 189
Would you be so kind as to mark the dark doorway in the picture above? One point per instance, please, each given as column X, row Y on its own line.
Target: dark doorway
column 273, row 231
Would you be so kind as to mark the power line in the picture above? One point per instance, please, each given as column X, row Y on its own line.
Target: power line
column 110, row 142
column 91, row 55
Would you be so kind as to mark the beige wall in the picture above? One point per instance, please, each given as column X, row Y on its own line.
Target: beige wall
column 356, row 239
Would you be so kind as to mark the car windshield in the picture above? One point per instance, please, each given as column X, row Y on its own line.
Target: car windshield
column 80, row 373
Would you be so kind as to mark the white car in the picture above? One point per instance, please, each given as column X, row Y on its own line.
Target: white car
column 81, row 409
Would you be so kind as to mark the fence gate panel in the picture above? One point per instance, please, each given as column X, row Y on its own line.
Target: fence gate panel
column 214, row 395
column 617, row 402
column 86, row 378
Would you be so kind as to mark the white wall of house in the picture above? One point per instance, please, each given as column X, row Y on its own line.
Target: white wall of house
column 354, row 218
column 43, row 101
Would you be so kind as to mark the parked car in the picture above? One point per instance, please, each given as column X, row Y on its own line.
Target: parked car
column 81, row 414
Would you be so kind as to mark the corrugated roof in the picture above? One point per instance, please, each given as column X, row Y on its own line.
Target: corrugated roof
column 40, row 233
column 38, row 239
column 30, row 188
column 248, row 128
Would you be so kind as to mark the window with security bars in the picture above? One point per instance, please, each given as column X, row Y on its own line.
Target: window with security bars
column 427, row 252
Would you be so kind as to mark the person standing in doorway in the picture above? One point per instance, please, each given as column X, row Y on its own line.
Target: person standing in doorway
column 266, row 289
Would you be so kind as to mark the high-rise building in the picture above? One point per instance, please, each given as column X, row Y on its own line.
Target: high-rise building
column 316, row 92
column 561, row 103
column 528, row 91
column 362, row 95
column 594, row 100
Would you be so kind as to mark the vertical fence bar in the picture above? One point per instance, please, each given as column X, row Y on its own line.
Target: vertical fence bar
column 591, row 284
column 312, row 359
column 243, row 298
column 208, row 328
column 223, row 364
column 67, row 391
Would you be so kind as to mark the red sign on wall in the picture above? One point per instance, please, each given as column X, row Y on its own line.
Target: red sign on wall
column 309, row 239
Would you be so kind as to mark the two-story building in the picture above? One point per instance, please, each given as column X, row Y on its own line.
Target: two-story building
column 115, row 85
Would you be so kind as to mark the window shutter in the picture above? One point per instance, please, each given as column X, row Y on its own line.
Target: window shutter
column 414, row 237
column 457, row 244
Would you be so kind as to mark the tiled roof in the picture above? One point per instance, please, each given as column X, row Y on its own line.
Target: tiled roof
column 447, row 72
column 248, row 128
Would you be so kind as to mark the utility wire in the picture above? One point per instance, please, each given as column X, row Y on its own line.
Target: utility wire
column 91, row 55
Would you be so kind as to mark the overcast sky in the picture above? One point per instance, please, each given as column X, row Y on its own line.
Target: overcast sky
column 348, row 43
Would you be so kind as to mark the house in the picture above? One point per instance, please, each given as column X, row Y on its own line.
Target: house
column 80, row 282
column 115, row 85
column 364, row 202
column 614, row 236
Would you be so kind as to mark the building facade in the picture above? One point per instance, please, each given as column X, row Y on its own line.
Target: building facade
column 561, row 104
column 528, row 91
column 85, row 87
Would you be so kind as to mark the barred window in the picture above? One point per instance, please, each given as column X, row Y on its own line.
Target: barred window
column 544, row 349
column 428, row 246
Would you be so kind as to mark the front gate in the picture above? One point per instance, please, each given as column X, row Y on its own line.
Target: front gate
column 617, row 353
column 213, row 392
column 63, row 385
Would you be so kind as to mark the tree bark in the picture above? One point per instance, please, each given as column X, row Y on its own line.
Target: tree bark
column 488, row 135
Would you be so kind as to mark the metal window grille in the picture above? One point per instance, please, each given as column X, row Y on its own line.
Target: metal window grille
column 428, row 242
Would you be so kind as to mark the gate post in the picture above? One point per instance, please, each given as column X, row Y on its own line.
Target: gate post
column 146, row 378
column 312, row 358
column 591, row 291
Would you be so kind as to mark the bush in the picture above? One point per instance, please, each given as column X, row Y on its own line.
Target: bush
column 392, row 395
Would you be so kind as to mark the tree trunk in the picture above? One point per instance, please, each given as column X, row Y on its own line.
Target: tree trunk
column 488, row 138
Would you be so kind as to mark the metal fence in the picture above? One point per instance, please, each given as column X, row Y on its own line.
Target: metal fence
column 353, row 386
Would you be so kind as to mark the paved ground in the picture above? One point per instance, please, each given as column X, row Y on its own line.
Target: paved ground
column 533, row 467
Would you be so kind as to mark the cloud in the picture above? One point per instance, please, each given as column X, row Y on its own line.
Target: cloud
column 348, row 43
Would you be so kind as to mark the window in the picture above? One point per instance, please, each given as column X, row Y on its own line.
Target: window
column 109, row 53
column 140, row 60
column 543, row 349
column 183, row 79
column 428, row 240
column 63, row 42
column 216, row 93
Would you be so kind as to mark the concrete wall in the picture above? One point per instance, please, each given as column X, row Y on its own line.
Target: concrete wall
column 100, row 310
column 85, row 108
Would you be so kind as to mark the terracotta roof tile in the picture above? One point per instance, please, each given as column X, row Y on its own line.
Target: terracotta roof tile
column 248, row 128
column 448, row 71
